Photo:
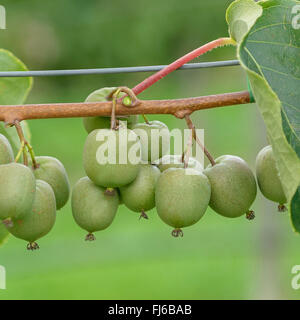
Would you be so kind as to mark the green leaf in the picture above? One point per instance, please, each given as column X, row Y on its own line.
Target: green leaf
column 270, row 53
column 240, row 16
column 13, row 91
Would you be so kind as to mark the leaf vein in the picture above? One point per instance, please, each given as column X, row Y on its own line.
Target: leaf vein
column 275, row 43
column 282, row 73
column 267, row 26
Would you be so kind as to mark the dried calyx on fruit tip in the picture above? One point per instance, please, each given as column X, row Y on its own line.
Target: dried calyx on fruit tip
column 250, row 215
column 90, row 237
column 282, row 208
column 177, row 233
column 144, row 215
column 110, row 192
column 8, row 223
column 32, row 246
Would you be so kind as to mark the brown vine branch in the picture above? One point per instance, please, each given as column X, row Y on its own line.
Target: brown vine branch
column 192, row 127
column 178, row 107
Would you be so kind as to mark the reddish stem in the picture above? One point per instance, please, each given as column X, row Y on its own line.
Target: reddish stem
column 192, row 127
column 179, row 63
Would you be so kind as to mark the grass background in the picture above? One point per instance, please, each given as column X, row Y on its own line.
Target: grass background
column 217, row 258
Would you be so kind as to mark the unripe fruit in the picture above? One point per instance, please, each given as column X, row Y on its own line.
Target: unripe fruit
column 175, row 161
column 112, row 158
column 17, row 190
column 3, row 233
column 233, row 186
column 268, row 176
column 139, row 195
column 40, row 220
column 181, row 197
column 53, row 172
column 92, row 123
column 155, row 139
column 92, row 209
column 6, row 152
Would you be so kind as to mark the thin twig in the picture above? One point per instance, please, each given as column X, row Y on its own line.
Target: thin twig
column 192, row 127
column 180, row 62
column 145, row 119
column 20, row 152
column 24, row 145
column 35, row 165
column 113, row 109
column 22, row 141
column 186, row 155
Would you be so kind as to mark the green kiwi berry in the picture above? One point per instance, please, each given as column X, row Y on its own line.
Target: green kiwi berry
column 93, row 210
column 53, row 172
column 181, row 197
column 268, row 176
column 155, row 140
column 233, row 187
column 6, row 152
column 139, row 195
column 17, row 190
column 111, row 158
column 103, row 95
column 41, row 218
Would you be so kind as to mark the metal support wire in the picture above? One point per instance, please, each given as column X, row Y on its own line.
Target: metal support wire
column 49, row 73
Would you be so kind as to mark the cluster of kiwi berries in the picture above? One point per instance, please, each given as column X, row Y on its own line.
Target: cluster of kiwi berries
column 30, row 195
column 180, row 190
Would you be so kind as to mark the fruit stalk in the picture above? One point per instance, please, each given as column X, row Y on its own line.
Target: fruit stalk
column 24, row 145
column 177, row 107
column 113, row 109
column 186, row 155
column 192, row 127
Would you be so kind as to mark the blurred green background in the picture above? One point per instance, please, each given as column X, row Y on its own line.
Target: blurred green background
column 217, row 258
